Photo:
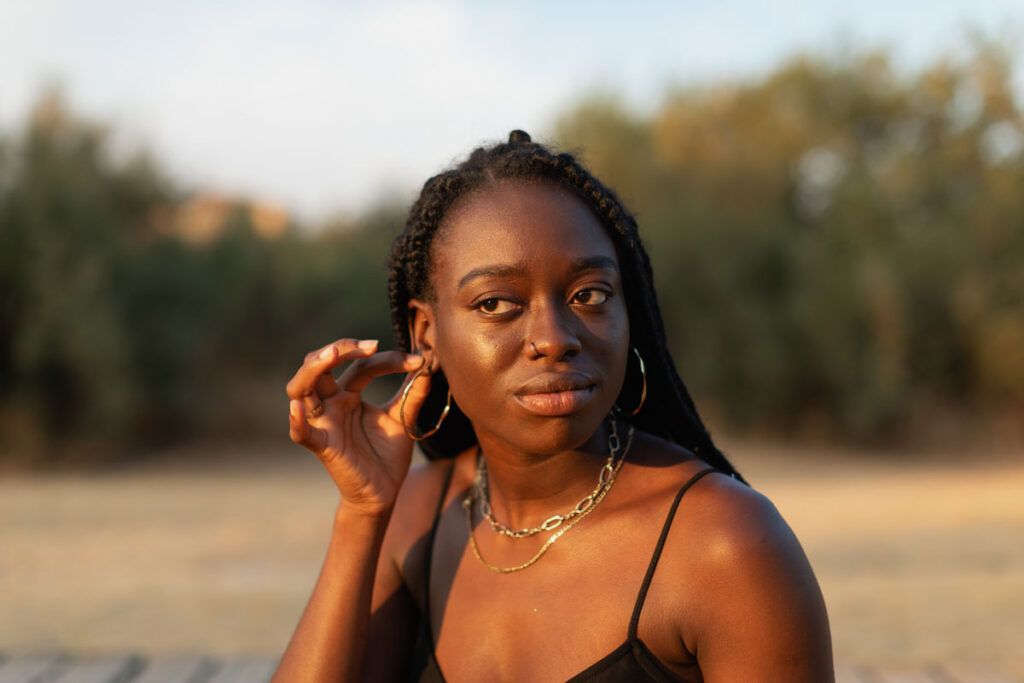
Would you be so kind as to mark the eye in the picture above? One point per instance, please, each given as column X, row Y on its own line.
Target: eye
column 591, row 297
column 495, row 306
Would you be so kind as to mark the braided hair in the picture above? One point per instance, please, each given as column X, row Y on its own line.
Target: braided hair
column 668, row 412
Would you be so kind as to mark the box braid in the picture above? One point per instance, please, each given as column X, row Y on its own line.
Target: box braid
column 669, row 410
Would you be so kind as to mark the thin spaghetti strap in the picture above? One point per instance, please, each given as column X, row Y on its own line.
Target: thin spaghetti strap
column 642, row 595
column 430, row 556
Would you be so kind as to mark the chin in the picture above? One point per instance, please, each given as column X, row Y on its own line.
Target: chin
column 556, row 434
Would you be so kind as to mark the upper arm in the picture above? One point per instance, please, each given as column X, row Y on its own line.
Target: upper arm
column 393, row 619
column 762, row 616
column 395, row 614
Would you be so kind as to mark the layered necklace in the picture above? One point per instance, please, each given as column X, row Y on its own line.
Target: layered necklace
column 557, row 524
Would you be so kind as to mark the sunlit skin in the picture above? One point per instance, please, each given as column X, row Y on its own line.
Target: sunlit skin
column 527, row 289
column 528, row 321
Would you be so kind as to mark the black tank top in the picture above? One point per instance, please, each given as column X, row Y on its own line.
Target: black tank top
column 631, row 661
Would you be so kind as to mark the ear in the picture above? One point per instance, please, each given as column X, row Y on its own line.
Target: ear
column 422, row 331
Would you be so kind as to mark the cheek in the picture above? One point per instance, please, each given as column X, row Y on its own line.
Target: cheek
column 609, row 344
column 470, row 351
column 608, row 333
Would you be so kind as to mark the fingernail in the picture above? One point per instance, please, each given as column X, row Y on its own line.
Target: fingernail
column 416, row 360
column 293, row 407
column 368, row 344
column 327, row 353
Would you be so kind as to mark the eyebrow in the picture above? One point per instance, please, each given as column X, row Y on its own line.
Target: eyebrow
column 510, row 270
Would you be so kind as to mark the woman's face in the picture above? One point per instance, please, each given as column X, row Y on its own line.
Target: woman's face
column 529, row 320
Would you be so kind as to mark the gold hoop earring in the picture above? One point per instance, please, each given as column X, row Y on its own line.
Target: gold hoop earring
column 401, row 409
column 643, row 387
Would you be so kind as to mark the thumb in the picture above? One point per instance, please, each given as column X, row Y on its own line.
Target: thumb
column 406, row 405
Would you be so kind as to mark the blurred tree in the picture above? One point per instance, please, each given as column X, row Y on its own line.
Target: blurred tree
column 838, row 247
column 838, row 250
column 67, row 215
column 120, row 322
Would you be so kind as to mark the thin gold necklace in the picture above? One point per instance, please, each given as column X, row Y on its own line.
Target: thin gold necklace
column 554, row 521
column 467, row 505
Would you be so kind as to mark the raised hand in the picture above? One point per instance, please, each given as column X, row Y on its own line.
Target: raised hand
column 364, row 447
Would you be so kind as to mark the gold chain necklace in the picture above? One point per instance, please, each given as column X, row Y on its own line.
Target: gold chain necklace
column 554, row 521
column 467, row 505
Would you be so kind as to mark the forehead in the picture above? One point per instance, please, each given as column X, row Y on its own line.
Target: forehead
column 538, row 225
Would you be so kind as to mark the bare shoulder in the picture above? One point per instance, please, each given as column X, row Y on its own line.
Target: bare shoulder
column 737, row 523
column 720, row 520
column 417, row 502
column 419, row 494
column 735, row 534
column 752, row 587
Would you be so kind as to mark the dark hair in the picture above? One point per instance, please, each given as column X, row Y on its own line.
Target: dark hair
column 668, row 412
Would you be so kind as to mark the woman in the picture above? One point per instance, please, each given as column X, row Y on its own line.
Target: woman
column 548, row 537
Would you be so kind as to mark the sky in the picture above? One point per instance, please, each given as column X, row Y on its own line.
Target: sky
column 328, row 106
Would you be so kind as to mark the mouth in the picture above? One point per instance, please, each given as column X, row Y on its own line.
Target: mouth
column 556, row 394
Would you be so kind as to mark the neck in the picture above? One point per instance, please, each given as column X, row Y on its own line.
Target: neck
column 527, row 488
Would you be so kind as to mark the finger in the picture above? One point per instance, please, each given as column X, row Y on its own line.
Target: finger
column 301, row 431
column 406, row 404
column 317, row 363
column 314, row 407
column 326, row 386
column 362, row 371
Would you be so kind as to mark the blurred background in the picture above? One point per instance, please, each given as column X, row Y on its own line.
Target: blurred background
column 194, row 195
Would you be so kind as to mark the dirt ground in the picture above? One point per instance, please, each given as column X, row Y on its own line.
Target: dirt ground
column 215, row 550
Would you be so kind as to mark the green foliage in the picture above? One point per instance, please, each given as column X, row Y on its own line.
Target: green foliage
column 114, row 328
column 62, row 213
column 837, row 247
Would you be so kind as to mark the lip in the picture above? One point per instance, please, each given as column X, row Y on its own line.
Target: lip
column 555, row 394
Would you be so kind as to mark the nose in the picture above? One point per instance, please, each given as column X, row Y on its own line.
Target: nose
column 551, row 334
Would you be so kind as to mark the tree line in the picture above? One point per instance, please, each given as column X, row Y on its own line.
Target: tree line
column 838, row 247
